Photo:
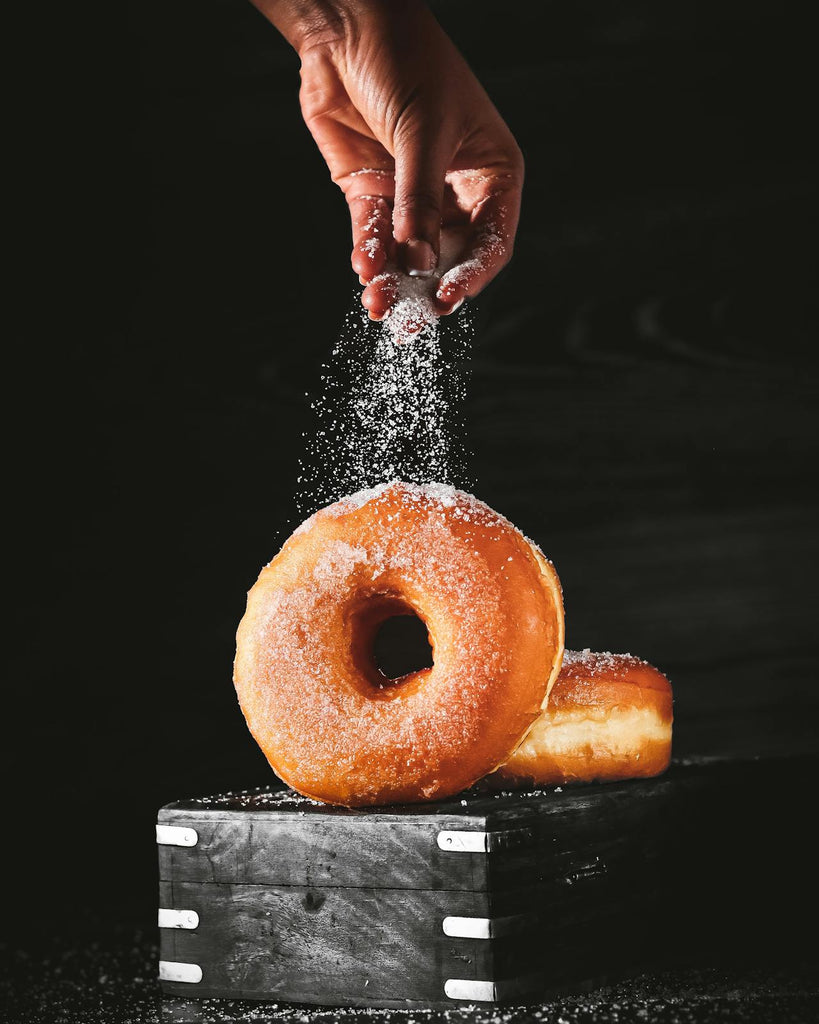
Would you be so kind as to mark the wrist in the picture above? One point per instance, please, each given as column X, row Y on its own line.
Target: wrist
column 307, row 23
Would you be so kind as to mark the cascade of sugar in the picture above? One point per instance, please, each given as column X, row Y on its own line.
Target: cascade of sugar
column 389, row 406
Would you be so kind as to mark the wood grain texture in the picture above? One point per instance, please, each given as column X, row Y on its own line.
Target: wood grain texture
column 248, row 840
column 379, row 947
column 340, row 852
column 314, row 944
column 295, row 902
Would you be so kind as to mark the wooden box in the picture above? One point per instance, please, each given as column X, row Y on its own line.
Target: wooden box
column 490, row 897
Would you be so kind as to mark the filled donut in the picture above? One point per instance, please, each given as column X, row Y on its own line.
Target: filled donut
column 330, row 723
column 609, row 717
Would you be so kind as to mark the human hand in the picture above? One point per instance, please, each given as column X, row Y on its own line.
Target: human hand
column 430, row 171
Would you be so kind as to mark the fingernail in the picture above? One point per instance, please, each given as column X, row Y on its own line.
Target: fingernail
column 419, row 258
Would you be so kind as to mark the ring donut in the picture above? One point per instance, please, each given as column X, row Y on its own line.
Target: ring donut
column 609, row 717
column 330, row 724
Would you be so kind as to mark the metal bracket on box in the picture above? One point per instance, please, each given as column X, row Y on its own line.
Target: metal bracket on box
column 175, row 835
column 187, row 919
column 490, row 991
column 486, row 927
column 170, row 970
column 459, row 841
column 472, row 991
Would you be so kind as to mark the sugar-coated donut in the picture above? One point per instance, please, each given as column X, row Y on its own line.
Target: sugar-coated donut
column 609, row 717
column 330, row 724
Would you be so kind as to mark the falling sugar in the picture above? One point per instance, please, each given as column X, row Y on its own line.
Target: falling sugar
column 390, row 402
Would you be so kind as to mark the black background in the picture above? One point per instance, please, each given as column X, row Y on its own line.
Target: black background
column 642, row 400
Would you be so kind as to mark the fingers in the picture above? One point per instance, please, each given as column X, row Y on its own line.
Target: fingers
column 488, row 238
column 380, row 295
column 494, row 222
column 372, row 235
column 420, row 169
column 369, row 193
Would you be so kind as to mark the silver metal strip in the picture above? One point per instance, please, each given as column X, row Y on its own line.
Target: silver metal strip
column 468, row 927
column 464, row 842
column 493, row 991
column 473, row 991
column 486, row 927
column 484, row 842
column 169, row 970
column 176, row 835
column 178, row 918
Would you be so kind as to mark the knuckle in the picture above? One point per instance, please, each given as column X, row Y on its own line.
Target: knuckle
column 517, row 162
column 418, row 201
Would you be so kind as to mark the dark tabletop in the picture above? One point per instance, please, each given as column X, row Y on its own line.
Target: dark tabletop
column 642, row 402
column 114, row 983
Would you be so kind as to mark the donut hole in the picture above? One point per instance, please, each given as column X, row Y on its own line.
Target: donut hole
column 390, row 648
column 401, row 646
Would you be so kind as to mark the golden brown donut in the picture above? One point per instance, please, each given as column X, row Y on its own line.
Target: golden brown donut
column 609, row 717
column 330, row 724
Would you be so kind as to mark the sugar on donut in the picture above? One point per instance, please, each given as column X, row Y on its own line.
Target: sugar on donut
column 609, row 717
column 330, row 724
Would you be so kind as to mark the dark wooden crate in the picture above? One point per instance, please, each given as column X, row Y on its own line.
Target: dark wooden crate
column 551, row 891
column 487, row 897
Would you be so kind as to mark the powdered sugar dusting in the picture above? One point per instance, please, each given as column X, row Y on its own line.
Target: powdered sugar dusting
column 262, row 798
column 414, row 309
column 311, row 706
column 351, row 502
column 489, row 247
column 389, row 405
column 599, row 662
column 463, row 506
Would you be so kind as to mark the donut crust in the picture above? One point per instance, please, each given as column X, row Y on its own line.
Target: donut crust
column 328, row 722
column 609, row 717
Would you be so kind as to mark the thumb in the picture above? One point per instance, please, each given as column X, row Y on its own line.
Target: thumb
column 421, row 159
